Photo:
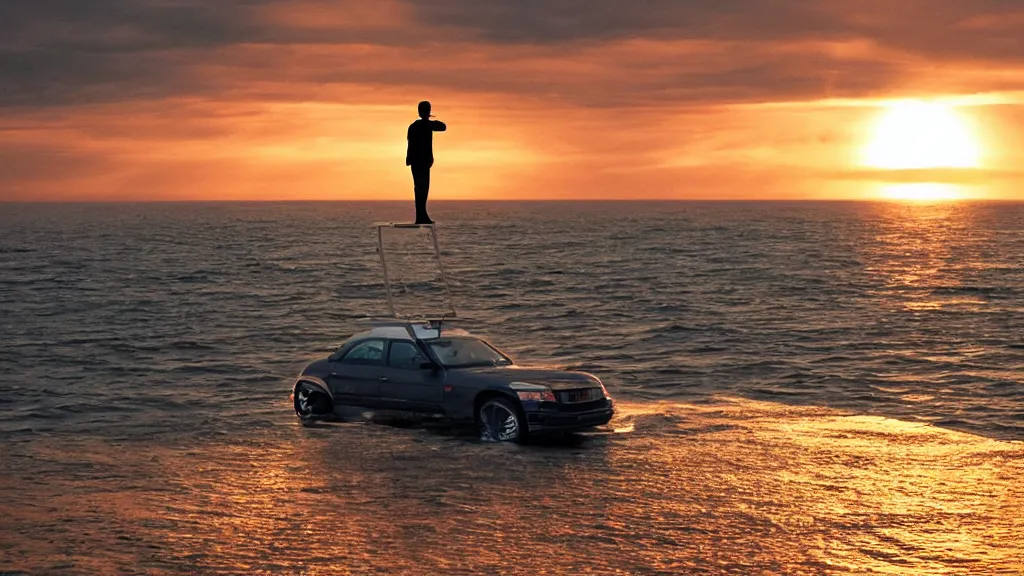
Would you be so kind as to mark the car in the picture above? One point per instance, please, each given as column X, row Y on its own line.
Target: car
column 424, row 368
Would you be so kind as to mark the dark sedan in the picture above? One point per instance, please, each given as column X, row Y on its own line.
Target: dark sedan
column 424, row 369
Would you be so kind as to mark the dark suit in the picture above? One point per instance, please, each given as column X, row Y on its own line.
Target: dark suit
column 420, row 157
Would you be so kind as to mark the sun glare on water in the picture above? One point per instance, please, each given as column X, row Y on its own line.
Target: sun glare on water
column 922, row 191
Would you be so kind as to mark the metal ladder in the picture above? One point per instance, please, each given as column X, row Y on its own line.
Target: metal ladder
column 424, row 259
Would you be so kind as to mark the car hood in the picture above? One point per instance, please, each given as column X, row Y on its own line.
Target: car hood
column 555, row 379
column 318, row 368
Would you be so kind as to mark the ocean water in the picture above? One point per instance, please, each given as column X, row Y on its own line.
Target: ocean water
column 803, row 388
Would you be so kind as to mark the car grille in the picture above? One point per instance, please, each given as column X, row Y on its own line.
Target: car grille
column 582, row 395
column 583, row 406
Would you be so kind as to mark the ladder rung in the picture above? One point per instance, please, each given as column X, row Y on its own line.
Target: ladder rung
column 401, row 225
column 424, row 253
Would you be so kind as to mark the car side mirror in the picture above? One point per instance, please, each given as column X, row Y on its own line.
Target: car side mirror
column 428, row 366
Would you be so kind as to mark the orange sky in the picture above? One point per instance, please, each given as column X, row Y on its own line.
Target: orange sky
column 589, row 99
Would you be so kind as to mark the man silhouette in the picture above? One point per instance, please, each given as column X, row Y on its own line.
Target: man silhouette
column 420, row 157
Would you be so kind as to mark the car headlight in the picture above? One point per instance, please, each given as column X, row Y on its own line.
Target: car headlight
column 529, row 392
column 528, row 396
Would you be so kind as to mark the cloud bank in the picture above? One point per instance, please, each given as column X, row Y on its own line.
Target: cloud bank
column 83, row 81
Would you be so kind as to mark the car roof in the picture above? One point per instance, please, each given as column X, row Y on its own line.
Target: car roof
column 402, row 332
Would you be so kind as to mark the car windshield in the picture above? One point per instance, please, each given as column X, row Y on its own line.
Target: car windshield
column 466, row 352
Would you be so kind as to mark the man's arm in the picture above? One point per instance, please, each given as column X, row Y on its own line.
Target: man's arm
column 437, row 126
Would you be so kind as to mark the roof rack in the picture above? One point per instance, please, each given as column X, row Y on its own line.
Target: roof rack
column 414, row 331
column 410, row 324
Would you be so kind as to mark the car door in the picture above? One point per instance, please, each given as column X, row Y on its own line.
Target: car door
column 355, row 377
column 406, row 384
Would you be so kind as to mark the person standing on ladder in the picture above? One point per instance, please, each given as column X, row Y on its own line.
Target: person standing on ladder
column 420, row 157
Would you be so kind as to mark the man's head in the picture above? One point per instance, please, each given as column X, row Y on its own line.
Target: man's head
column 424, row 109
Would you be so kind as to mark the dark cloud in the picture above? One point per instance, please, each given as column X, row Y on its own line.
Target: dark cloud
column 68, row 51
column 589, row 20
column 941, row 30
column 53, row 76
column 59, row 52
column 125, row 25
column 949, row 28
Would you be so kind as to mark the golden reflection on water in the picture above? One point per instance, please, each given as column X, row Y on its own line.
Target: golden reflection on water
column 741, row 487
column 924, row 192
column 929, row 256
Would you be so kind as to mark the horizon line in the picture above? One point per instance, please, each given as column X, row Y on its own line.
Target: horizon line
column 535, row 200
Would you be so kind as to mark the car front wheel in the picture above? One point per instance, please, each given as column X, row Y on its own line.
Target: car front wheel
column 311, row 403
column 499, row 421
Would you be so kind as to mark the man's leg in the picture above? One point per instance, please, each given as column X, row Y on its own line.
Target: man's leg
column 426, row 192
column 421, row 179
column 417, row 179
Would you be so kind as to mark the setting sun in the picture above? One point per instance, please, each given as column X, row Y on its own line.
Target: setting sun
column 916, row 135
